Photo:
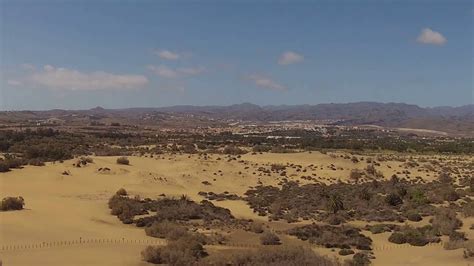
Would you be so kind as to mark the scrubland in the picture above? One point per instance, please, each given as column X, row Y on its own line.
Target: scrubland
column 334, row 207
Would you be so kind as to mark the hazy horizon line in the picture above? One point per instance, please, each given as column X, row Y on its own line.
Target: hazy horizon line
column 234, row 104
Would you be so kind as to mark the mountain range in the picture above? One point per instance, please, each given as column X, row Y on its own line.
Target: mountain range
column 453, row 120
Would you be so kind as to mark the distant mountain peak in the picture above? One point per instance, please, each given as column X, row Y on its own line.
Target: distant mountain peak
column 98, row 108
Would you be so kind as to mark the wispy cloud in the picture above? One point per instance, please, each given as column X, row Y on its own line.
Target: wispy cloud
column 429, row 36
column 266, row 82
column 290, row 57
column 166, row 54
column 58, row 78
column 173, row 73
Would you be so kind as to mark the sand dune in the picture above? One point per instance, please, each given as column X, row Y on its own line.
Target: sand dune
column 71, row 207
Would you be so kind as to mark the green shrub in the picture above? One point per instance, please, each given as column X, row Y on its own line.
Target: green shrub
column 418, row 197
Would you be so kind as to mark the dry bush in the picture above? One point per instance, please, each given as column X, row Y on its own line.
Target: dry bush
column 186, row 250
column 261, row 148
column 332, row 236
column 125, row 208
column 123, row 161
column 277, row 167
column 121, row 192
column 345, row 252
column 445, row 221
column 381, row 228
column 166, row 230
column 233, row 150
column 10, row 162
column 4, row 166
column 397, row 238
column 275, row 256
column 419, row 236
column 355, row 175
column 36, row 162
column 308, row 201
column 393, row 199
column 413, row 216
column 445, row 178
column 256, row 227
column 469, row 250
column 450, row 195
column 359, row 259
column 170, row 209
column 12, row 203
column 269, row 238
column 468, row 209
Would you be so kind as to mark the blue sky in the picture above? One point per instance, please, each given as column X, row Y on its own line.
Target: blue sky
column 82, row 54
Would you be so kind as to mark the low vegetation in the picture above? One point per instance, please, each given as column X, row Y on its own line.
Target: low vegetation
column 277, row 256
column 123, row 161
column 344, row 237
column 12, row 204
column 185, row 250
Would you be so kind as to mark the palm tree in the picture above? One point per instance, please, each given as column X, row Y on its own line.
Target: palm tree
column 334, row 203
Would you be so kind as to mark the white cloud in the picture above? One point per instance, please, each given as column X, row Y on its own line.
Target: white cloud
column 429, row 36
column 168, row 55
column 51, row 77
column 171, row 73
column 289, row 57
column 266, row 83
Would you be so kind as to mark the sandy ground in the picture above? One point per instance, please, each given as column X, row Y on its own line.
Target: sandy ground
column 72, row 207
